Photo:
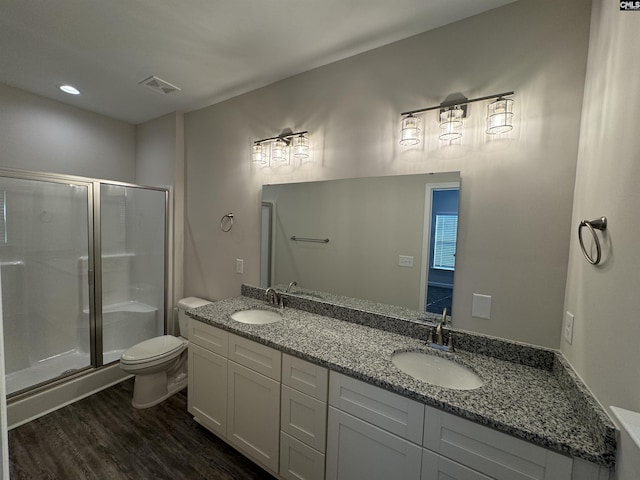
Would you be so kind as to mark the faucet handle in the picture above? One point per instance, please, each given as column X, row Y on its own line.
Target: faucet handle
column 430, row 336
column 450, row 342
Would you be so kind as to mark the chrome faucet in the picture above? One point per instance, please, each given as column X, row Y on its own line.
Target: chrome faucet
column 439, row 343
column 292, row 284
column 274, row 298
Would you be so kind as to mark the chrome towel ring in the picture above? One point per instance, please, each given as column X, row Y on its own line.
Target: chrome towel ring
column 592, row 225
column 226, row 222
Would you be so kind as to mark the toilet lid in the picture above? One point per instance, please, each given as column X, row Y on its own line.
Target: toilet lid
column 153, row 348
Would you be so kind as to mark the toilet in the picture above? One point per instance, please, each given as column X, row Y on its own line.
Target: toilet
column 160, row 363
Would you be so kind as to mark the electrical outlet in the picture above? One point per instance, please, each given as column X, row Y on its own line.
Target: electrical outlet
column 405, row 261
column 568, row 327
column 239, row 265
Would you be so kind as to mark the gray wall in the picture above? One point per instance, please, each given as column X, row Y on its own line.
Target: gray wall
column 605, row 349
column 160, row 162
column 44, row 135
column 516, row 193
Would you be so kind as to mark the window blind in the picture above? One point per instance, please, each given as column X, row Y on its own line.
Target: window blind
column 444, row 251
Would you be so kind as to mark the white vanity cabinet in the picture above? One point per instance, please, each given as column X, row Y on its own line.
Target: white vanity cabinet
column 207, row 381
column 372, row 433
column 301, row 422
column 303, row 419
column 234, row 391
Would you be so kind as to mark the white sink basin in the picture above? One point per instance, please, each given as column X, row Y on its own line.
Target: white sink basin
column 436, row 370
column 256, row 316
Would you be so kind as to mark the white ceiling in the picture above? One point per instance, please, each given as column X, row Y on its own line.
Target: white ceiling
column 211, row 49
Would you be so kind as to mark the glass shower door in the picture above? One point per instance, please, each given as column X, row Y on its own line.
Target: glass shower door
column 44, row 257
column 133, row 267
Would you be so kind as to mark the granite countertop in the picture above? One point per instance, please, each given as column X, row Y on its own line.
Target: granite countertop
column 524, row 401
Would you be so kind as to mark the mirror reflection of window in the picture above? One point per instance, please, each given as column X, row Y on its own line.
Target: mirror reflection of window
column 442, row 249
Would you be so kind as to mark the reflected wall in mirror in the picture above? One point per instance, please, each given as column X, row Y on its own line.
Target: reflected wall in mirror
column 391, row 239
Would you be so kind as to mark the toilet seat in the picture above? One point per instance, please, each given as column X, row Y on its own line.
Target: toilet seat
column 154, row 349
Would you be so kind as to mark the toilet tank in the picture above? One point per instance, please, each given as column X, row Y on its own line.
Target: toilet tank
column 184, row 305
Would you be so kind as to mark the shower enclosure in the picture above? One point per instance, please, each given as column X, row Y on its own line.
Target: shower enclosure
column 83, row 268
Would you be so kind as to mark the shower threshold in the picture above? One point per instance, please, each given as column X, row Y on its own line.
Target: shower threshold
column 46, row 370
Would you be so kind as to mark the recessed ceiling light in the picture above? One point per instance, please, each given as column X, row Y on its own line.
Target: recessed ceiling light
column 71, row 90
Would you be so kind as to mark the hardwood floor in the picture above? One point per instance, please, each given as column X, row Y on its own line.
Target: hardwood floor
column 104, row 437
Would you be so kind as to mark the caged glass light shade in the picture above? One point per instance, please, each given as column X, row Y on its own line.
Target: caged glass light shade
column 500, row 116
column 300, row 147
column 410, row 131
column 259, row 154
column 451, row 123
column 279, row 152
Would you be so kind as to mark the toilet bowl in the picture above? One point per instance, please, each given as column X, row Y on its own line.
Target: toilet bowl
column 160, row 363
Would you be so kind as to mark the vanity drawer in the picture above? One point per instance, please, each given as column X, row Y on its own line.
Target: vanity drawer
column 209, row 337
column 303, row 417
column 389, row 411
column 299, row 461
column 306, row 377
column 257, row 357
column 493, row 453
column 437, row 466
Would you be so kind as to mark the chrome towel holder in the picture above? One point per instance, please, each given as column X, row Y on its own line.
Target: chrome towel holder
column 226, row 222
column 313, row 240
column 592, row 226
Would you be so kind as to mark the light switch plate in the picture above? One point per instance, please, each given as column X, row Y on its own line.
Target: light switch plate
column 568, row 327
column 481, row 306
column 239, row 265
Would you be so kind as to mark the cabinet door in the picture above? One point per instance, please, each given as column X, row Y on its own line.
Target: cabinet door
column 304, row 417
column 357, row 450
column 435, row 467
column 254, row 415
column 207, row 392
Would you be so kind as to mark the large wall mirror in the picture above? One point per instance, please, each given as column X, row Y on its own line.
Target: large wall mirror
column 389, row 239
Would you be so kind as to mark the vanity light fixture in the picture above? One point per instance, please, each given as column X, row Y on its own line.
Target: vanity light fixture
column 451, row 114
column 276, row 151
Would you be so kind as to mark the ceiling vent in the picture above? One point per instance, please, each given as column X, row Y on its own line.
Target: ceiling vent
column 158, row 85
